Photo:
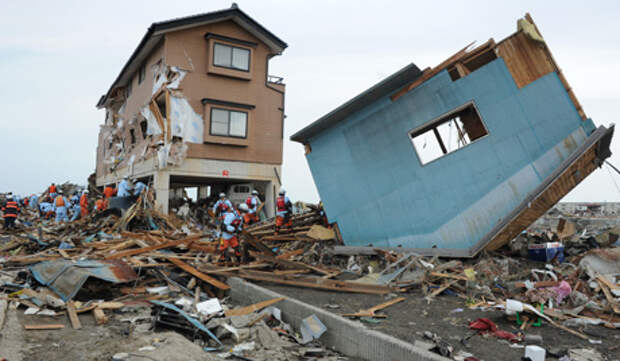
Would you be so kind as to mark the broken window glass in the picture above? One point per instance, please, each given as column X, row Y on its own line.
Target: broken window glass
column 448, row 133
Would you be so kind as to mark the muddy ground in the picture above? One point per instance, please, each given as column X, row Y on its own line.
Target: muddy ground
column 91, row 342
column 409, row 319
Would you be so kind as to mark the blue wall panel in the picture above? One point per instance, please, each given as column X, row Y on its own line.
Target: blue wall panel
column 372, row 183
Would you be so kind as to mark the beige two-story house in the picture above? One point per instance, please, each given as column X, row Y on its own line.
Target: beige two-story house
column 195, row 106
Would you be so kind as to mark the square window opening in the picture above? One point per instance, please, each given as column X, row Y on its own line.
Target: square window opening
column 229, row 123
column 448, row 133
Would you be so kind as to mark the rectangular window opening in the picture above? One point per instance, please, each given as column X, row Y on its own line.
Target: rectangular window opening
column 232, row 57
column 132, row 134
column 143, row 127
column 229, row 123
column 449, row 133
column 129, row 88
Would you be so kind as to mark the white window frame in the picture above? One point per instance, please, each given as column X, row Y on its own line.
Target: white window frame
column 230, row 65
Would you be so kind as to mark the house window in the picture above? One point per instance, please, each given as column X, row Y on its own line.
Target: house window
column 448, row 133
column 129, row 87
column 229, row 123
column 141, row 74
column 143, row 127
column 231, row 57
column 132, row 134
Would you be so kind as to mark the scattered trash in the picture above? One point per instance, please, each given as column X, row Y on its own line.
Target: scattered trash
column 311, row 328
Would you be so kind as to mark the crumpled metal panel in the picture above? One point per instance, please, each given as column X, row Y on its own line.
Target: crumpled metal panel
column 66, row 277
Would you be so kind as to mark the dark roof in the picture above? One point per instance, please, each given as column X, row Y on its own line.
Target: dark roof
column 383, row 88
column 156, row 31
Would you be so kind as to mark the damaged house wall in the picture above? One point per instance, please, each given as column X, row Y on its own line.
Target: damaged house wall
column 159, row 110
column 381, row 191
column 189, row 49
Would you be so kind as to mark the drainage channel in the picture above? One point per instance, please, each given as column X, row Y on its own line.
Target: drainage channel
column 345, row 336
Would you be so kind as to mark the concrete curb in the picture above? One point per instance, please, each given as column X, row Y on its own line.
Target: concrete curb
column 345, row 336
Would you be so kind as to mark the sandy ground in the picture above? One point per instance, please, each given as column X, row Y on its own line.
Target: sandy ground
column 409, row 319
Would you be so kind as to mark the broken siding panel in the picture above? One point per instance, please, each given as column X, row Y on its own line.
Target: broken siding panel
column 526, row 59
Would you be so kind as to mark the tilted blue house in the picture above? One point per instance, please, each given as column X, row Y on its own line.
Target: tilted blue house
column 457, row 158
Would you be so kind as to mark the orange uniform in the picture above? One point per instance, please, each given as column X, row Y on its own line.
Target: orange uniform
column 100, row 204
column 109, row 192
column 83, row 205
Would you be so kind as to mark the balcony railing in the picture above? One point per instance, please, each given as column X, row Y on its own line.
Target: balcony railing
column 275, row 79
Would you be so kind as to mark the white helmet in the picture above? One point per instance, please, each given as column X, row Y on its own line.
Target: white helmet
column 282, row 191
column 10, row 196
column 255, row 192
column 85, row 191
column 244, row 208
column 222, row 195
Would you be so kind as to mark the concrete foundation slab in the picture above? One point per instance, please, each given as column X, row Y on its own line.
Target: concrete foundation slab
column 345, row 336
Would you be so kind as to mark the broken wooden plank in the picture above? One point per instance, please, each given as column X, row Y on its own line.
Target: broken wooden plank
column 446, row 275
column 73, row 316
column 133, row 252
column 608, row 296
column 251, row 308
column 4, row 304
column 191, row 270
column 100, row 316
column 319, row 283
column 370, row 312
column 53, row 326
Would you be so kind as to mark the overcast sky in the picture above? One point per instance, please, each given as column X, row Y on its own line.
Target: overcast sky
column 57, row 58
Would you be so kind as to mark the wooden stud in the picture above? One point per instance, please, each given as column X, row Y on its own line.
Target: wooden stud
column 73, row 316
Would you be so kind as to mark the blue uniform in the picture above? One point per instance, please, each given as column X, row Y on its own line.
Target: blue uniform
column 228, row 229
column 33, row 201
column 46, row 207
column 255, row 202
column 124, row 189
column 61, row 212
column 75, row 208
column 220, row 202
column 138, row 188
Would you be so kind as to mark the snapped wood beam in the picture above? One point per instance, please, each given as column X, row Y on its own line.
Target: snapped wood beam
column 319, row 283
column 191, row 270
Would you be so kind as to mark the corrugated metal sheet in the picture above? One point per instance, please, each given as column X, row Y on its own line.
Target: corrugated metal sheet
column 66, row 278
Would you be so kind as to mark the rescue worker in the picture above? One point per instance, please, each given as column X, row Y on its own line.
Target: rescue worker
column 45, row 208
column 109, row 191
column 61, row 205
column 100, row 205
column 34, row 201
column 218, row 207
column 52, row 191
column 138, row 188
column 231, row 227
column 284, row 208
column 9, row 212
column 75, row 208
column 253, row 203
column 84, row 204
column 124, row 188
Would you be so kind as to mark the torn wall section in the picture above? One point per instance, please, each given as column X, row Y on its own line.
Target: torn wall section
column 165, row 122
